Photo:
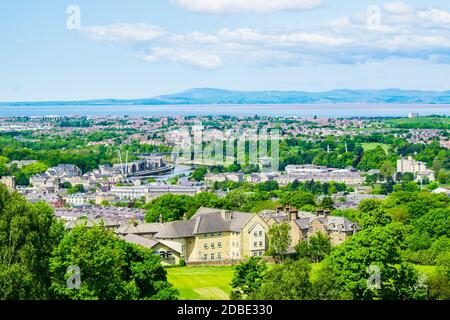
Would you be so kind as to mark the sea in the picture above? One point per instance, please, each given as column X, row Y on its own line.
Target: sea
column 299, row 110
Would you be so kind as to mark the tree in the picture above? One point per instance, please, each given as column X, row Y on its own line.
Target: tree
column 78, row 188
column 350, row 271
column 444, row 176
column 289, row 281
column 279, row 240
column 327, row 203
column 248, row 276
column 437, row 166
column 171, row 206
column 439, row 282
column 298, row 199
column 28, row 234
column 315, row 249
column 387, row 170
column 110, row 268
column 199, row 173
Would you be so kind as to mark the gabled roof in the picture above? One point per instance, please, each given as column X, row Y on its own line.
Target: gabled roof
column 205, row 220
column 141, row 241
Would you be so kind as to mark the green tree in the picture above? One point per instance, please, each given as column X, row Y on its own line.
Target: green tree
column 248, row 276
column 28, row 234
column 387, row 170
column 288, row 281
column 327, row 203
column 347, row 272
column 110, row 268
column 439, row 282
column 298, row 199
column 279, row 241
column 199, row 173
column 315, row 249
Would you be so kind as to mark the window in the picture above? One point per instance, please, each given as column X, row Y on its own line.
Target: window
column 232, row 244
column 255, row 234
column 219, row 234
column 205, row 235
column 205, row 257
column 260, row 233
column 212, row 245
column 183, row 247
column 205, row 246
column 212, row 235
column 212, row 256
column 260, row 253
column 233, row 253
column 254, row 253
column 219, row 244
column 255, row 244
column 260, row 244
column 219, row 255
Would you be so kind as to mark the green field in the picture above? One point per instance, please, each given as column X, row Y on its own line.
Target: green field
column 213, row 283
column 373, row 145
column 421, row 123
column 202, row 283
column 426, row 270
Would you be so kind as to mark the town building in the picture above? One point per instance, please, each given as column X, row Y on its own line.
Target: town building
column 150, row 192
column 418, row 168
column 9, row 182
column 303, row 225
column 209, row 236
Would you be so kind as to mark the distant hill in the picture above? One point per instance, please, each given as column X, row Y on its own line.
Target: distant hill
column 210, row 96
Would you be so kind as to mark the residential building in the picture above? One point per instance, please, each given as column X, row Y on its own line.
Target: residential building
column 210, row 236
column 418, row 168
column 9, row 182
column 303, row 225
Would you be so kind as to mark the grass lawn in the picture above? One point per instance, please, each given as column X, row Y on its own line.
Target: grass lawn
column 202, row 283
column 426, row 270
column 213, row 283
column 421, row 122
column 373, row 145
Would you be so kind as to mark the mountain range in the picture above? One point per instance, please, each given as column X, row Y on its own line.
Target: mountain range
column 210, row 96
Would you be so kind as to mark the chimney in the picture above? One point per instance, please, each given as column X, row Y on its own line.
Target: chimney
column 161, row 219
column 326, row 212
column 286, row 208
column 279, row 209
column 319, row 212
column 185, row 217
column 293, row 214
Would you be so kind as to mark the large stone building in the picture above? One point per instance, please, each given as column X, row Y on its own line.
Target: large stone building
column 303, row 225
column 210, row 236
column 418, row 168
column 9, row 182
column 150, row 192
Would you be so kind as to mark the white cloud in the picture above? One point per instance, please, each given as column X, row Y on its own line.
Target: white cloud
column 242, row 6
column 398, row 7
column 435, row 16
column 405, row 32
column 138, row 32
column 197, row 59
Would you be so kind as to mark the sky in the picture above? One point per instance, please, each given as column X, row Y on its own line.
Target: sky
column 93, row 49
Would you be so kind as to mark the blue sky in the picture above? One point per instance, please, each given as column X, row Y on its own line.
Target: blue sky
column 143, row 48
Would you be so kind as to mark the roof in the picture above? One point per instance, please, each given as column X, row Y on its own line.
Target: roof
column 177, row 229
column 141, row 241
column 90, row 223
column 205, row 220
